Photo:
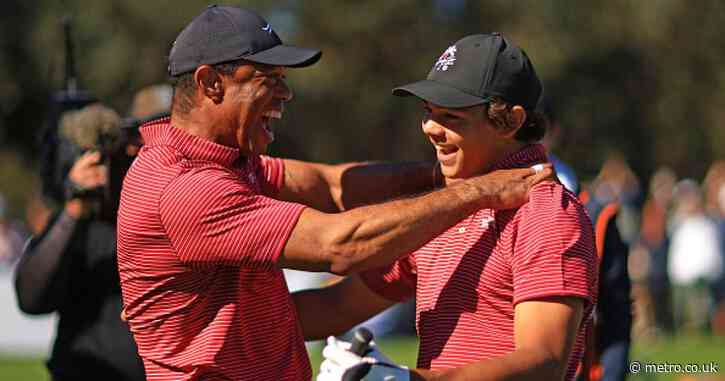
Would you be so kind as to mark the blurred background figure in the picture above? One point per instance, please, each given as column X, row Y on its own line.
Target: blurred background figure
column 609, row 340
column 714, row 185
column 648, row 260
column 151, row 102
column 70, row 268
column 695, row 263
column 617, row 182
column 70, row 264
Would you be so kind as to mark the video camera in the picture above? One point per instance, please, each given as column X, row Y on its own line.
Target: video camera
column 69, row 133
column 57, row 154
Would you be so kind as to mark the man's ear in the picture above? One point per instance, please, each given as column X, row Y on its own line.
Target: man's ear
column 210, row 83
column 515, row 120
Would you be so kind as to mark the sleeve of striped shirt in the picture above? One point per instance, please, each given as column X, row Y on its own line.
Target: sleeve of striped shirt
column 212, row 217
column 553, row 252
column 271, row 170
column 395, row 281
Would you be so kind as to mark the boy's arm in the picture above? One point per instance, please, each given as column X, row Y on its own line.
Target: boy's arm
column 544, row 333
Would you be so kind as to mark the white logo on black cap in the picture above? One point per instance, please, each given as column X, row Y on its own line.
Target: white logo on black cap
column 448, row 58
column 267, row 28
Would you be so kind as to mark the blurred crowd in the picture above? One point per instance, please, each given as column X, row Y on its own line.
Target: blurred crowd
column 676, row 232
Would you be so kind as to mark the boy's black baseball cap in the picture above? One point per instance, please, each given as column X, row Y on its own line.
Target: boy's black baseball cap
column 222, row 34
column 476, row 69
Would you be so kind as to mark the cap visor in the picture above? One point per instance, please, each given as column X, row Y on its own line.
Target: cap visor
column 285, row 55
column 439, row 94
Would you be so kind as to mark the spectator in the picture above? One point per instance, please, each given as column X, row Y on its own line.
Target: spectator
column 648, row 261
column 70, row 267
column 714, row 186
column 616, row 182
column 695, row 262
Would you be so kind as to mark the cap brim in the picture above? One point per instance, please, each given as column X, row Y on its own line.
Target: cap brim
column 285, row 55
column 439, row 94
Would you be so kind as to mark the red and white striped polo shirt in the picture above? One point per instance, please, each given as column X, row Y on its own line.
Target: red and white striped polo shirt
column 468, row 280
column 198, row 238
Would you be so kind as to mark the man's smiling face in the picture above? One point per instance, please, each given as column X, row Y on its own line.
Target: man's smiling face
column 254, row 95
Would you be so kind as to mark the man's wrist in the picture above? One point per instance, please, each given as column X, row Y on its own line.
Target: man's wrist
column 72, row 190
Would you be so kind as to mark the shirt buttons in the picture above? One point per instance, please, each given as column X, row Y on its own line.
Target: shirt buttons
column 461, row 230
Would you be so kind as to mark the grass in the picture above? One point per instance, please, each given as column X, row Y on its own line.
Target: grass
column 682, row 350
column 678, row 350
column 22, row 369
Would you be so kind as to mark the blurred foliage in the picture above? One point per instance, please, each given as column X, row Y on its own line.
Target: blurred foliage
column 642, row 78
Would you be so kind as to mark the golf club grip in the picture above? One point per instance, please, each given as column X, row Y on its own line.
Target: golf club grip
column 359, row 345
column 361, row 339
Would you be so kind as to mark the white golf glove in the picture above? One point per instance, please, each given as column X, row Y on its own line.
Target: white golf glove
column 375, row 366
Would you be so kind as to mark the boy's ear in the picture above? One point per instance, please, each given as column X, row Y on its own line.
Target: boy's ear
column 516, row 118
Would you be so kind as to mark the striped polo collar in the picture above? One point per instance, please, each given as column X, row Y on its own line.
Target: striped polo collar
column 529, row 155
column 160, row 132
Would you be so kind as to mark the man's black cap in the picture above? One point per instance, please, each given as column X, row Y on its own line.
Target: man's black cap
column 222, row 34
column 476, row 69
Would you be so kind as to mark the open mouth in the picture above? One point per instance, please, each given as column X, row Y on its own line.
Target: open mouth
column 446, row 154
column 267, row 118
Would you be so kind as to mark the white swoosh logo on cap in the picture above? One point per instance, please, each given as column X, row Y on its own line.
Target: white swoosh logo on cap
column 267, row 28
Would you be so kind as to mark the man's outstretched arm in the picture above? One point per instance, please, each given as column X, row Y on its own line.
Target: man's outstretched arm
column 334, row 188
column 232, row 225
column 375, row 235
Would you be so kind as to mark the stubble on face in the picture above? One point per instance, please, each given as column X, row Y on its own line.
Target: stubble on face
column 250, row 96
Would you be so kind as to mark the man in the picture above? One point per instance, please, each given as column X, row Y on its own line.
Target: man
column 70, row 267
column 503, row 294
column 206, row 222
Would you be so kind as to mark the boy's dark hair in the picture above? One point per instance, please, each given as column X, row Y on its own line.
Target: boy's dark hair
column 499, row 112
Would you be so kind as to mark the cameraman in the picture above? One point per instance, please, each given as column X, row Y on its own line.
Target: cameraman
column 70, row 268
